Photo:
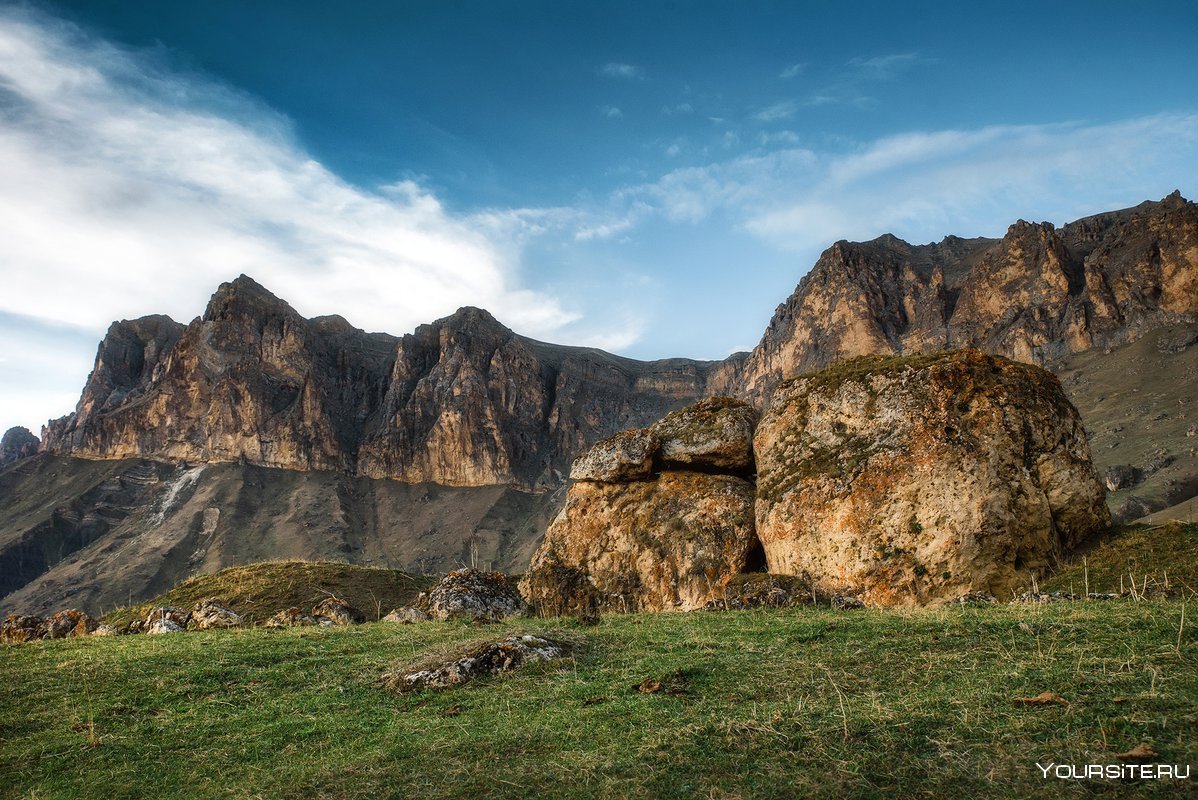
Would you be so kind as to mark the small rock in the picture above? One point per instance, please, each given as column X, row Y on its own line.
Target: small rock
column 1122, row 476
column 473, row 594
column 843, row 602
column 163, row 625
column 977, row 598
column 407, row 616
column 1045, row 597
column 337, row 612
column 209, row 614
column 22, row 628
column 490, row 658
column 289, row 618
column 68, row 624
column 1140, row 754
column 105, row 630
column 626, row 456
column 172, row 613
column 1102, row 596
column 1192, row 431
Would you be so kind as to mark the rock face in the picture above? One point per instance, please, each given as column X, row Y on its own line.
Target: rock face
column 1035, row 295
column 473, row 594
column 906, row 481
column 17, row 443
column 671, row 542
column 461, row 402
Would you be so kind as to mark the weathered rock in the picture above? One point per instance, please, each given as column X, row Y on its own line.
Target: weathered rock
column 844, row 602
column 626, row 456
column 407, row 616
column 19, row 628
column 105, row 630
column 913, row 480
column 667, row 544
column 163, row 625
column 1122, row 476
column 209, row 614
column 337, row 612
column 17, row 443
column 713, row 434
column 289, row 618
column 490, row 658
column 69, row 623
column 762, row 590
column 174, row 614
column 473, row 594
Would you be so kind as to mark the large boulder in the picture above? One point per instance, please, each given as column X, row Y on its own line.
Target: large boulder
column 163, row 625
column 715, row 434
column 667, row 544
column 475, row 595
column 19, row 628
column 17, row 443
column 210, row 614
column 909, row 480
column 335, row 611
column 626, row 456
column 69, row 623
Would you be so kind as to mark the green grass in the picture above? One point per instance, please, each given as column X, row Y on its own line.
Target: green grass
column 259, row 590
column 798, row 702
column 1164, row 556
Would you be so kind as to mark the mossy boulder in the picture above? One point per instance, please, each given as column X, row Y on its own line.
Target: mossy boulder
column 714, row 434
column 913, row 480
column 626, row 456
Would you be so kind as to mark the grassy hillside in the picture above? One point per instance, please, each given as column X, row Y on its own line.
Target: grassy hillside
column 1164, row 556
column 259, row 590
column 802, row 702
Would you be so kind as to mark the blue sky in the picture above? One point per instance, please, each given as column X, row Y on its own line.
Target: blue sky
column 648, row 177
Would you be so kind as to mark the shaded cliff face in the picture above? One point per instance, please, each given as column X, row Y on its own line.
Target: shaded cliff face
column 463, row 401
column 1037, row 295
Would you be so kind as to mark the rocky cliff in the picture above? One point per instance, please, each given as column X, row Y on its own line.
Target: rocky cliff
column 1037, row 295
column 463, row 401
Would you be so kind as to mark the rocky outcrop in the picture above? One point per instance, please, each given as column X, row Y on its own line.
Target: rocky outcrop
column 670, row 541
column 488, row 658
column 407, row 615
column 473, row 594
column 173, row 614
column 625, row 456
column 161, row 626
column 463, row 401
column 1035, row 295
column 69, row 623
column 18, row 628
column 910, row 480
column 289, row 618
column 212, row 614
column 715, row 434
column 334, row 611
column 17, row 443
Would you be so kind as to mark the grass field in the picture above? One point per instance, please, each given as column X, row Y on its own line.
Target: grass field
column 799, row 702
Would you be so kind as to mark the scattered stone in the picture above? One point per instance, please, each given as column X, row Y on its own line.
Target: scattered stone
column 289, row 618
column 1140, row 754
column 69, row 623
column 163, row 625
column 334, row 611
column 105, row 630
column 1160, row 459
column 172, row 613
column 473, row 594
column 713, row 434
column 1042, row 699
column 910, row 480
column 976, row 599
column 209, row 614
column 627, row 456
column 407, row 616
column 842, row 602
column 22, row 628
column 489, row 658
column 1122, row 476
column 672, row 684
column 1192, row 431
column 1045, row 597
column 1102, row 596
column 134, row 627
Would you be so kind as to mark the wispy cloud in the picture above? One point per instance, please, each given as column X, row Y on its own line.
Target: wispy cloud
column 884, row 67
column 615, row 69
column 611, row 112
column 781, row 110
column 128, row 189
column 794, row 70
column 677, row 109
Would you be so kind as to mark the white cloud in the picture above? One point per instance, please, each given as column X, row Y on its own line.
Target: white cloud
column 792, row 71
column 783, row 110
column 611, row 112
column 678, row 109
column 618, row 70
column 883, row 67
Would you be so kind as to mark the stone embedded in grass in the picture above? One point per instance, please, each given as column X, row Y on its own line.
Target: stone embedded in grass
column 289, row 618
column 626, row 456
column 209, row 614
column 480, row 660
column 407, row 616
column 976, row 599
column 19, row 628
column 843, row 602
column 69, row 623
column 105, row 630
column 334, row 611
column 762, row 590
column 163, row 625
column 473, row 594
column 173, row 613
